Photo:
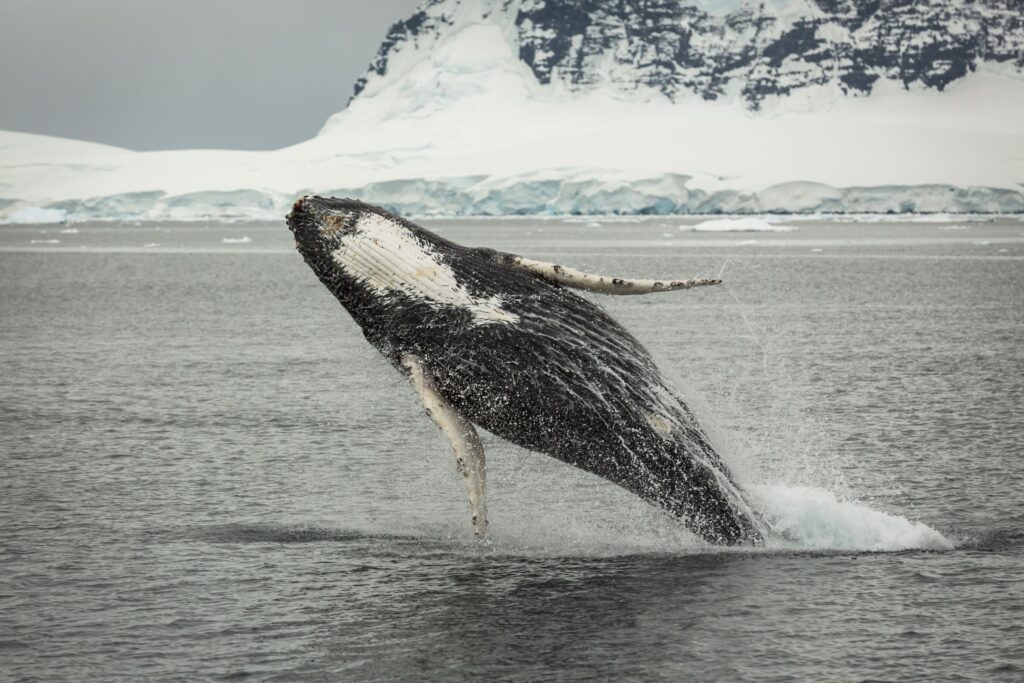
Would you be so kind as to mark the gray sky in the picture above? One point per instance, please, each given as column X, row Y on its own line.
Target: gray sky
column 159, row 74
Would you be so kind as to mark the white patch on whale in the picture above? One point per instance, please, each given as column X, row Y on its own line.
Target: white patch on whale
column 389, row 258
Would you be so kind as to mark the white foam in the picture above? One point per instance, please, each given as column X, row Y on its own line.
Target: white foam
column 69, row 231
column 45, row 242
column 815, row 519
column 237, row 240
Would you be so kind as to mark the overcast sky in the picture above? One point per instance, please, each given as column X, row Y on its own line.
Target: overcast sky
column 159, row 74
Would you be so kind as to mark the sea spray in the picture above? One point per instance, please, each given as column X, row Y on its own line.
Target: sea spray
column 816, row 519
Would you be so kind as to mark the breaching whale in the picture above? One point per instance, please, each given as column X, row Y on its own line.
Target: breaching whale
column 499, row 341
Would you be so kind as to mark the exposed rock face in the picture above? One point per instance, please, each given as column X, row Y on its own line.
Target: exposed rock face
column 736, row 48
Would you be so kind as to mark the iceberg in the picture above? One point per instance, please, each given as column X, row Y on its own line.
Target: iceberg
column 459, row 125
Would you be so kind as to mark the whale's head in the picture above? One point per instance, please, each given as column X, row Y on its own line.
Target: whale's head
column 366, row 255
column 319, row 225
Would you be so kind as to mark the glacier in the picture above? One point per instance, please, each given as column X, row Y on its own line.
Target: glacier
column 456, row 122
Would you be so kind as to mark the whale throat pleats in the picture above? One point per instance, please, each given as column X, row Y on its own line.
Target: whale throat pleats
column 388, row 258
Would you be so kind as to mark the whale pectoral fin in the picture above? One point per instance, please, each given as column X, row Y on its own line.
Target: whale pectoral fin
column 570, row 277
column 469, row 452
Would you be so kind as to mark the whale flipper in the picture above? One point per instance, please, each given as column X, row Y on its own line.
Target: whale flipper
column 591, row 282
column 469, row 452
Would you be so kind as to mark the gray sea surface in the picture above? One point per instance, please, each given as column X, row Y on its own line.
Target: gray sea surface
column 208, row 474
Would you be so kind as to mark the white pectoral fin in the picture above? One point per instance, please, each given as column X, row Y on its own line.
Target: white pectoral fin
column 469, row 452
column 570, row 277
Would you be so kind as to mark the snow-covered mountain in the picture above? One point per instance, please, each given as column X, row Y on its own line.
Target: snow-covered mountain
column 615, row 106
column 731, row 48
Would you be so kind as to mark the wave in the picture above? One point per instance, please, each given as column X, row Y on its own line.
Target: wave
column 279, row 533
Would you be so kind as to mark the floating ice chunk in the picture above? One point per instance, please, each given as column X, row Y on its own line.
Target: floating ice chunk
column 36, row 214
column 237, row 240
column 150, row 245
column 746, row 224
column 930, row 218
column 45, row 241
column 965, row 211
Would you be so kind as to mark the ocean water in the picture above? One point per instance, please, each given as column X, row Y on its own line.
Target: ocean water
column 208, row 474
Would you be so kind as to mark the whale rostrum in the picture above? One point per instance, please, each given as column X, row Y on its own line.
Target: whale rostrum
column 500, row 342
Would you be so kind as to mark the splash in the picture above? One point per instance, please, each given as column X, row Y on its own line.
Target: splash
column 807, row 518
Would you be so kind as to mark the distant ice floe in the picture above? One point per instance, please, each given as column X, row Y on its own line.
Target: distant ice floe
column 968, row 215
column 45, row 242
column 236, row 240
column 745, row 224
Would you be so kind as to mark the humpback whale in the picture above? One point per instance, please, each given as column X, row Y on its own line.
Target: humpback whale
column 500, row 341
